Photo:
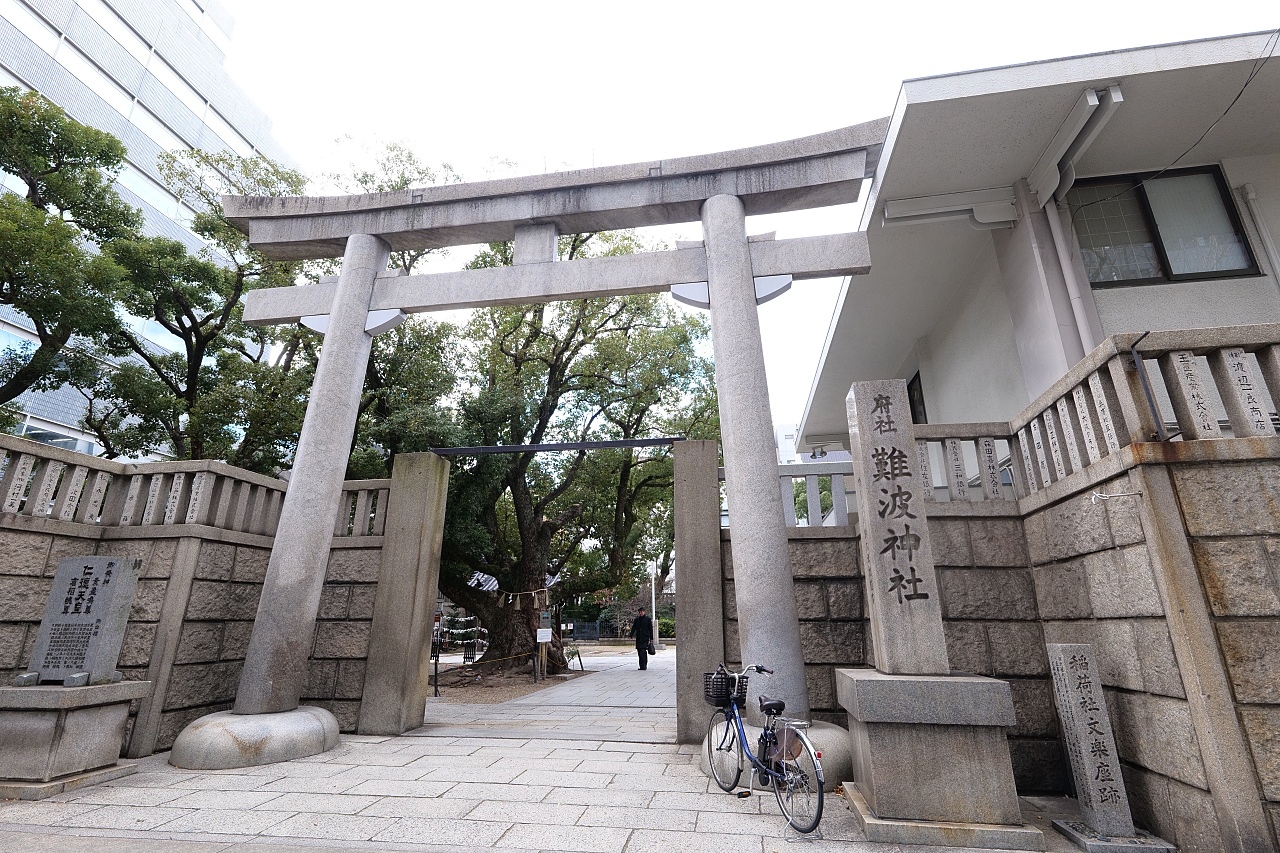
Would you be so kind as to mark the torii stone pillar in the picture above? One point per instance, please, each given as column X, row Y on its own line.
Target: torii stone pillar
column 768, row 624
column 266, row 710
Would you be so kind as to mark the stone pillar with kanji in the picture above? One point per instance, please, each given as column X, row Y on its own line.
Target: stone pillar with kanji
column 930, row 752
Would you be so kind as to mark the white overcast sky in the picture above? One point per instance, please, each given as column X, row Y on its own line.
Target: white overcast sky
column 554, row 85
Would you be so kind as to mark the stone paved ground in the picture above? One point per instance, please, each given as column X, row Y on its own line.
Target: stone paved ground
column 533, row 786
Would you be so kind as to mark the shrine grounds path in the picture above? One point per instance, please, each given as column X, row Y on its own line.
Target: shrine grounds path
column 587, row 765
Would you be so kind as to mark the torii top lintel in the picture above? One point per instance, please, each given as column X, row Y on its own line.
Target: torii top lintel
column 813, row 171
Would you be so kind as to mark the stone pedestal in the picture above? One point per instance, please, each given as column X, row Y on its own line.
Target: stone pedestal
column 226, row 740
column 918, row 740
column 53, row 738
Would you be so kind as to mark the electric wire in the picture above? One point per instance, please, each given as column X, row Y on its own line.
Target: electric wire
column 1268, row 50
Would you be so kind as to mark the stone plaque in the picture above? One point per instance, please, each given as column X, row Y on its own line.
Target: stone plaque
column 1189, row 395
column 1241, row 392
column 84, row 618
column 1086, row 425
column 902, row 586
column 1091, row 746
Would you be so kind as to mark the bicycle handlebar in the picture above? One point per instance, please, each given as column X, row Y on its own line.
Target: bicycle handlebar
column 750, row 668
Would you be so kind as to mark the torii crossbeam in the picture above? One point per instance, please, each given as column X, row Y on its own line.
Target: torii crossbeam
column 718, row 189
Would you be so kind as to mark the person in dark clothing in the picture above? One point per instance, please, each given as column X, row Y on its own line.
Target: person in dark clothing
column 642, row 630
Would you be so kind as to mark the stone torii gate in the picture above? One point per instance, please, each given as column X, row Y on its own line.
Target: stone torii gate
column 718, row 189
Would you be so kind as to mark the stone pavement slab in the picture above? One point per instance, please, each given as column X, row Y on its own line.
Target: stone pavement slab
column 521, row 785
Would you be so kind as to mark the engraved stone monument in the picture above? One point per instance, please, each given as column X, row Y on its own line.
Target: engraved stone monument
column 1107, row 824
column 62, row 725
column 930, row 752
column 84, row 620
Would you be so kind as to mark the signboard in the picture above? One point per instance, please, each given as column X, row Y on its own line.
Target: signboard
column 544, row 635
column 544, row 619
column 84, row 619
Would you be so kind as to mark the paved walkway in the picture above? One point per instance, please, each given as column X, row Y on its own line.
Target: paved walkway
column 447, row 791
column 614, row 702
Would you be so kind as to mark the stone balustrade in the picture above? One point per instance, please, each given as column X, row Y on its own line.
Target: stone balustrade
column 42, row 481
column 362, row 508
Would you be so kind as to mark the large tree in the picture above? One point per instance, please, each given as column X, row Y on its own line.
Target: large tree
column 566, row 371
column 48, row 268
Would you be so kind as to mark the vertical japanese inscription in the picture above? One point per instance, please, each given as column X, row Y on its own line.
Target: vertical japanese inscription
column 1240, row 392
column 902, row 585
column 85, row 618
column 1091, row 746
column 1189, row 395
column 957, row 479
column 989, row 464
column 1086, row 424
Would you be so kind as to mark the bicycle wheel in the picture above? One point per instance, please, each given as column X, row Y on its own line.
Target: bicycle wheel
column 799, row 791
column 724, row 750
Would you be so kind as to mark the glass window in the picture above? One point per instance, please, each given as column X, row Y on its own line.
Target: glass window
column 163, row 72
column 148, row 190
column 117, row 29
column 915, row 396
column 159, row 132
column 1112, row 230
column 228, row 134
column 1195, row 228
column 44, row 36
column 87, row 73
column 7, row 79
column 1164, row 226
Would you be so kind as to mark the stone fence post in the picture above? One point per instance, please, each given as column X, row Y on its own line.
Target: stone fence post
column 396, row 680
column 700, row 611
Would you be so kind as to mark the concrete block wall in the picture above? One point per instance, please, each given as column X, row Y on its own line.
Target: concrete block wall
column 1234, row 531
column 829, row 599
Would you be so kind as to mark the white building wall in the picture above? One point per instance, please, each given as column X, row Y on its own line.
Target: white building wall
column 969, row 365
column 1214, row 302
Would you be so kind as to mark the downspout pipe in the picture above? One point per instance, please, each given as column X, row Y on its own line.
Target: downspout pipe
column 1067, row 263
column 1268, row 244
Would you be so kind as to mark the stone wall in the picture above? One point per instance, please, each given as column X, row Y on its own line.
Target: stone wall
column 828, row 588
column 1234, row 530
column 192, row 615
column 990, row 618
column 1094, row 583
column 991, row 622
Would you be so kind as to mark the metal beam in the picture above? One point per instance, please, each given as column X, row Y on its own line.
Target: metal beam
column 491, row 449
column 652, row 272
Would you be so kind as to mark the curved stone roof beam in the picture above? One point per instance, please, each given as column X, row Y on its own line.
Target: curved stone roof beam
column 813, row 171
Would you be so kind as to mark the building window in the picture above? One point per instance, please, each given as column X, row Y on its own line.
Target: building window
column 915, row 396
column 1173, row 226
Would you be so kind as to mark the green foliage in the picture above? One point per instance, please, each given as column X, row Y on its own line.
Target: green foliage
column 584, row 370
column 47, row 269
column 68, row 167
column 227, row 390
column 666, row 626
column 802, row 500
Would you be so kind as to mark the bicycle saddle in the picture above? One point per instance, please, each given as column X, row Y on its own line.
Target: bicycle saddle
column 771, row 707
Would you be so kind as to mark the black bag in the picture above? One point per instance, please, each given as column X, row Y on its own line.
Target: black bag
column 652, row 649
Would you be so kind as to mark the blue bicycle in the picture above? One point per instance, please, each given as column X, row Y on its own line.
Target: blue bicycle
column 786, row 760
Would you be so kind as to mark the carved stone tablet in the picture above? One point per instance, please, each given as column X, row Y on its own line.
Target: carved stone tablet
column 1090, row 744
column 85, row 618
column 902, row 586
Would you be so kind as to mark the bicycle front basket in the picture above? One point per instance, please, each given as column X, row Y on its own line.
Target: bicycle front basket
column 716, row 686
